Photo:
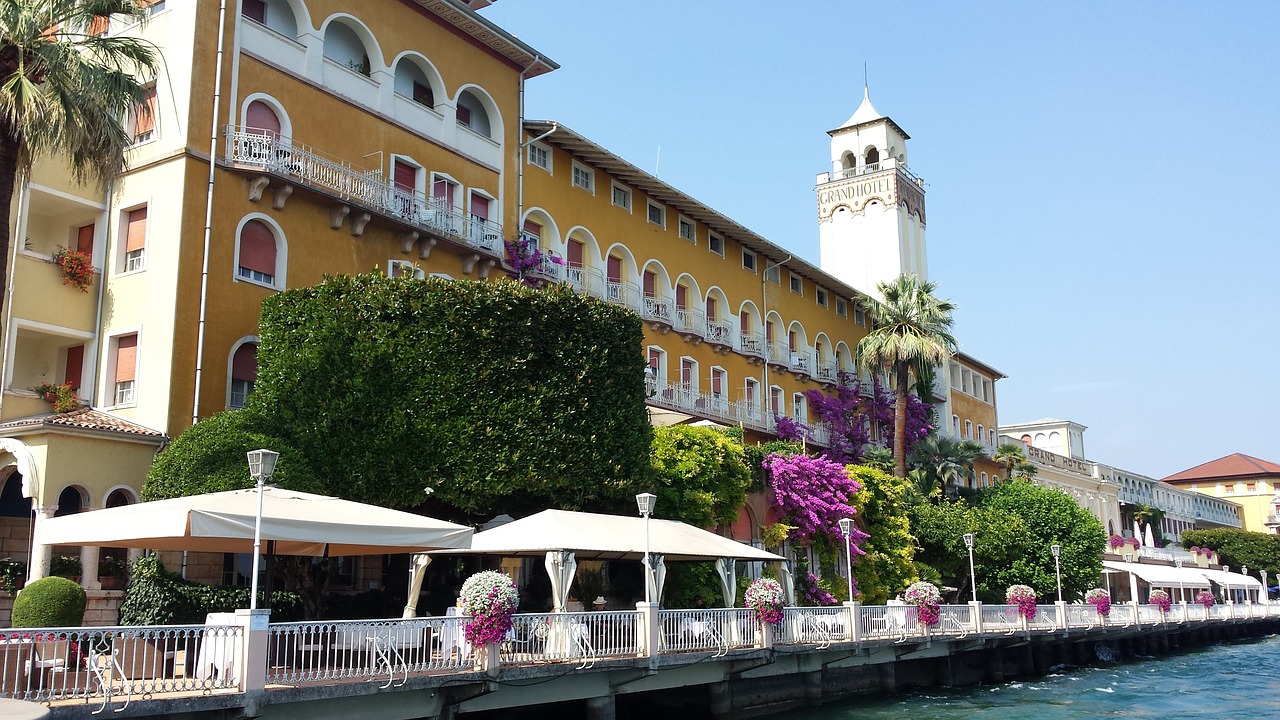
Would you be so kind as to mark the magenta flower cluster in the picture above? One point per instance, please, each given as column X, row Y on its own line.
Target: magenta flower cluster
column 813, row 594
column 1100, row 599
column 813, row 494
column 524, row 257
column 765, row 597
column 1160, row 599
column 1207, row 552
column 851, row 412
column 1024, row 596
column 489, row 599
column 788, row 429
column 1205, row 598
column 928, row 601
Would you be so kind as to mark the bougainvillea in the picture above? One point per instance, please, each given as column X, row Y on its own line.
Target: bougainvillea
column 1024, row 597
column 1100, row 599
column 1161, row 599
column 927, row 599
column 525, row 258
column 810, row 593
column 1115, row 542
column 851, row 412
column 788, row 429
column 1205, row 598
column 490, row 599
column 765, row 597
column 813, row 494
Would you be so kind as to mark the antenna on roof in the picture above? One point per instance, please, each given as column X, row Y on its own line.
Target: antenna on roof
column 866, row 86
column 657, row 162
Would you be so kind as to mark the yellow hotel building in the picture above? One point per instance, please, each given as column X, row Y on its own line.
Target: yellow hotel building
column 296, row 138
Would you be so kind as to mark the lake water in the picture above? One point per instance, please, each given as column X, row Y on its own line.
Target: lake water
column 1227, row 681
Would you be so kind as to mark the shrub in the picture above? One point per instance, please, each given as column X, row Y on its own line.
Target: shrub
column 49, row 602
column 156, row 596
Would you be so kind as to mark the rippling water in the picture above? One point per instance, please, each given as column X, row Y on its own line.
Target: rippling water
column 1237, row 680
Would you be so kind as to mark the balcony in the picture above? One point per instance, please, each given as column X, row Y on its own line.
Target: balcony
column 690, row 323
column 689, row 400
column 40, row 296
column 622, row 293
column 873, row 168
column 719, row 333
column 1273, row 520
column 340, row 180
column 656, row 311
column 800, row 363
column 585, row 280
column 829, row 374
column 751, row 345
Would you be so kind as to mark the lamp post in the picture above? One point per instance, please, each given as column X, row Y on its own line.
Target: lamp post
column 1266, row 593
column 973, row 578
column 645, row 502
column 1182, row 590
column 1244, row 570
column 1056, row 549
column 262, row 464
column 846, row 527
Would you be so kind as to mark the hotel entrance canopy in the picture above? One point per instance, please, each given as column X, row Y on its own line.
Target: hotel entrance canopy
column 1164, row 575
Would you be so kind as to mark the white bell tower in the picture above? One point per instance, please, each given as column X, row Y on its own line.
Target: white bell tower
column 870, row 206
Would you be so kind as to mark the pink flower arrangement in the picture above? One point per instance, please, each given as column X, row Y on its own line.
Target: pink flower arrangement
column 490, row 599
column 1116, row 542
column 1205, row 598
column 1160, row 599
column 1024, row 597
column 1099, row 599
column 765, row 597
column 813, row 494
column 927, row 599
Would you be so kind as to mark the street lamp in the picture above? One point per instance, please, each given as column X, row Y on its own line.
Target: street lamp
column 846, row 527
column 973, row 578
column 1056, row 549
column 262, row 464
column 1266, row 592
column 1182, row 590
column 1244, row 570
column 646, row 501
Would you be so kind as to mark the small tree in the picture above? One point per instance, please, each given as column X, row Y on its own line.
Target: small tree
column 698, row 475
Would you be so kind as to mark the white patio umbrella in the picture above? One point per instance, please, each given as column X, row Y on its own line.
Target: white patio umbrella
column 297, row 523
column 1150, row 540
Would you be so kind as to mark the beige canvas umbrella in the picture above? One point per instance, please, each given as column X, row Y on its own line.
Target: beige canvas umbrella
column 297, row 523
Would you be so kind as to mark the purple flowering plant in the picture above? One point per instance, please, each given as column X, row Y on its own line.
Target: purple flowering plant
column 525, row 258
column 1024, row 596
column 1100, row 599
column 1205, row 598
column 851, row 412
column 1160, row 599
column 928, row 601
column 489, row 598
column 813, row 494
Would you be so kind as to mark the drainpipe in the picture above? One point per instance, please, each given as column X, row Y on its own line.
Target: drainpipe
column 208, row 211
column 520, row 146
column 764, row 319
column 107, row 225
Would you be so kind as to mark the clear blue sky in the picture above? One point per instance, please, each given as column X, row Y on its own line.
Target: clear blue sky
column 1101, row 178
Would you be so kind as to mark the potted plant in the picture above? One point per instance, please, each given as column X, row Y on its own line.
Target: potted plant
column 765, row 597
column 489, row 599
column 112, row 572
column 62, row 397
column 1161, row 599
column 927, row 599
column 1100, row 599
column 76, row 267
column 1024, row 597
column 13, row 574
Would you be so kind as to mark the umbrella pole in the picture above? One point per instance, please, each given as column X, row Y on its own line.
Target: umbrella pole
column 270, row 574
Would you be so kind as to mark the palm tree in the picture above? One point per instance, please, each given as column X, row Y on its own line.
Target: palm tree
column 1009, row 456
column 946, row 461
column 909, row 326
column 65, row 91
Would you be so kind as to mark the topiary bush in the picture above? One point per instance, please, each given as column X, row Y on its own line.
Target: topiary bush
column 49, row 602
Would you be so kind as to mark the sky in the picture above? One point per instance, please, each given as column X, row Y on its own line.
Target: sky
column 1101, row 178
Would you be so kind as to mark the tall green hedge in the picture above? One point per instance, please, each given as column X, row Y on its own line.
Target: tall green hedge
column 492, row 395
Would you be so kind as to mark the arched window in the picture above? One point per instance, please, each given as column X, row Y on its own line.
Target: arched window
column 343, row 46
column 119, row 498
column 261, row 118
column 70, row 502
column 244, row 373
column 873, row 157
column 411, row 82
column 472, row 115
column 257, row 253
column 12, row 504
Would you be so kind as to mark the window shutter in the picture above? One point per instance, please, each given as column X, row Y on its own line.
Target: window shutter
column 84, row 239
column 75, row 366
column 260, row 116
column 650, row 281
column 405, row 176
column 254, row 10
column 136, row 238
column 99, row 25
column 575, row 253
column 614, row 269
column 443, row 190
column 716, row 381
column 711, row 309
column 480, row 206
column 682, row 297
column 533, row 228
column 464, row 116
column 423, row 94
column 244, row 366
column 258, row 248
column 146, row 116
column 126, row 358
column 744, row 323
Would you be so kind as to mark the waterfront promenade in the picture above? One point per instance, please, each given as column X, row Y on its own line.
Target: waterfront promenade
column 240, row 665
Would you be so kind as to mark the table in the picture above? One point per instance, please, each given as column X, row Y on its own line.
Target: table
column 217, row 656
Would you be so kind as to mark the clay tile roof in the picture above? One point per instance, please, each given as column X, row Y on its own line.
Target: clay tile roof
column 1234, row 465
column 85, row 418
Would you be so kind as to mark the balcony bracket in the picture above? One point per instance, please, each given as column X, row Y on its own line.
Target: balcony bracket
column 424, row 248
column 660, row 327
column 358, row 222
column 693, row 339
column 407, row 239
column 279, row 195
column 469, row 263
column 485, row 266
column 337, row 214
column 256, row 186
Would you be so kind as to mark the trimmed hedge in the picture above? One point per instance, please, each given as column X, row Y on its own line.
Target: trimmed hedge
column 49, row 602
column 156, row 596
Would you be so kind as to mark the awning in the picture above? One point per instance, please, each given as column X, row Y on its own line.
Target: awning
column 1162, row 575
column 1233, row 580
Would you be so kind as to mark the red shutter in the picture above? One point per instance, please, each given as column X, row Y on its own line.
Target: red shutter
column 75, row 366
column 260, row 116
column 711, row 309
column 244, row 366
column 614, row 269
column 84, row 240
column 717, row 379
column 254, row 10
column 686, row 372
column 258, row 248
column 650, row 281
column 405, row 176
column 443, row 190
column 575, row 253
column 533, row 228
column 136, row 238
column 791, row 341
column 682, row 297
column 423, row 94
column 126, row 358
column 768, row 332
column 464, row 116
column 146, row 116
column 655, row 358
column 480, row 206
column 744, row 323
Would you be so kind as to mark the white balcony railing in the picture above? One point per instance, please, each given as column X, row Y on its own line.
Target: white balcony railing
column 657, row 309
column 690, row 322
column 751, row 344
column 718, row 332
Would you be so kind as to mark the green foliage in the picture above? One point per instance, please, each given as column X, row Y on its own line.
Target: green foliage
column 940, row 461
column 754, row 455
column 67, row 566
column 156, row 596
column 49, row 602
column 12, row 575
column 883, row 504
column 1239, row 548
column 879, row 458
column 588, row 584
column 1152, row 516
column 1014, row 524
column 210, row 457
column 691, row 585
column 496, row 396
column 698, row 474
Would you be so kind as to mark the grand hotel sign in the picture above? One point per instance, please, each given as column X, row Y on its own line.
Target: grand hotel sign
column 885, row 187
